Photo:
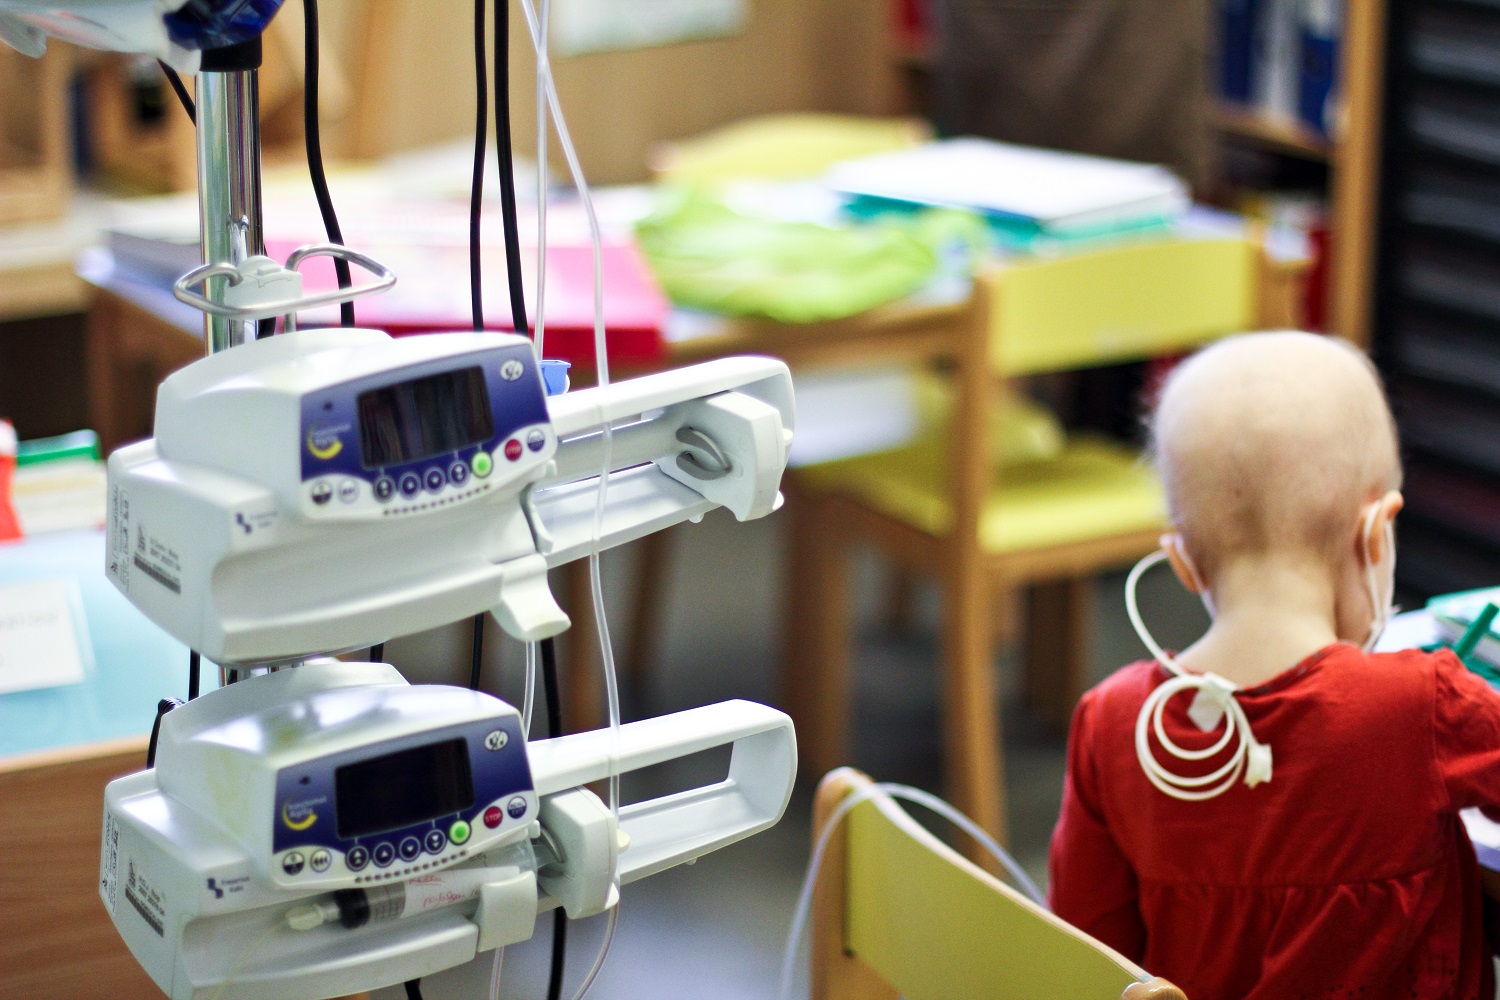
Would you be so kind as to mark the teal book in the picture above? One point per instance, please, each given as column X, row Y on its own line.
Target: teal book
column 1453, row 614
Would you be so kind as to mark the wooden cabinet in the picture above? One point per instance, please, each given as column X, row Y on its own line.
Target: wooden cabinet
column 56, row 939
column 35, row 167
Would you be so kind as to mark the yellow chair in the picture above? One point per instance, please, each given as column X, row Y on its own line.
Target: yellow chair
column 896, row 912
column 942, row 507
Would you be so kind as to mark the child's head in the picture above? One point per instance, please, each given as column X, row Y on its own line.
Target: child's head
column 1280, row 446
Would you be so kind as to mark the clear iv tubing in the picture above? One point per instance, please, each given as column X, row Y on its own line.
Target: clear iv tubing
column 539, row 325
column 1189, row 789
column 895, row 791
column 547, row 100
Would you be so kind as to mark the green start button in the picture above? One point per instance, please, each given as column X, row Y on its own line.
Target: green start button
column 482, row 464
column 458, row 832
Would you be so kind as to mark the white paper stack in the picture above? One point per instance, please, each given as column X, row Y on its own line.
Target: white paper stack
column 1060, row 192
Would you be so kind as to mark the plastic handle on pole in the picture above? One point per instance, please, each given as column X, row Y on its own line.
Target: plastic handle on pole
column 182, row 289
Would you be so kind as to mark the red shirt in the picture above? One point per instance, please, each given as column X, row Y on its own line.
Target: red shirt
column 1347, row 875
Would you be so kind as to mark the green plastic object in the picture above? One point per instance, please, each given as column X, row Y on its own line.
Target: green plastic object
column 1475, row 632
column 79, row 444
column 708, row 256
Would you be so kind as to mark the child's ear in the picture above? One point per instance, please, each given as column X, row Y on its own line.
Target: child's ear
column 1182, row 563
column 1373, row 530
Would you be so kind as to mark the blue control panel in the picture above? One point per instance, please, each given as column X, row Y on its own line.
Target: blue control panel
column 423, row 438
column 393, row 809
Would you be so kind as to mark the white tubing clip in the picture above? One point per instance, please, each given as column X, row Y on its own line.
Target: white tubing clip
column 1215, row 702
column 1248, row 757
column 1257, row 763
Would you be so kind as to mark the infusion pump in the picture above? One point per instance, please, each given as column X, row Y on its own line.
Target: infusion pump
column 326, row 490
column 326, row 829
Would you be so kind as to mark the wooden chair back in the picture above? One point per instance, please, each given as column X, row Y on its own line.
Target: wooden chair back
column 896, row 912
column 1120, row 304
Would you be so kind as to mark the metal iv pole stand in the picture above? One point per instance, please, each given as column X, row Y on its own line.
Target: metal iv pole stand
column 229, row 203
column 229, row 198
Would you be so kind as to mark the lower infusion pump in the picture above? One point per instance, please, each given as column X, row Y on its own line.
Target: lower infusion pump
column 329, row 829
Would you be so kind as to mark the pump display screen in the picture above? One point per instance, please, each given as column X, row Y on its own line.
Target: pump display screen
column 403, row 788
column 413, row 420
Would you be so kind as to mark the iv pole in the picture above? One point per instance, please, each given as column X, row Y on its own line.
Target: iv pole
column 229, row 197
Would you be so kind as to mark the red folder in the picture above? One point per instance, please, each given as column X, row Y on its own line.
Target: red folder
column 432, row 294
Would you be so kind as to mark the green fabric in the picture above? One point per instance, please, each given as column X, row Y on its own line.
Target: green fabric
column 708, row 256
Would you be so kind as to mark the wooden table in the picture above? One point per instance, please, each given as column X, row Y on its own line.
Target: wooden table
column 56, row 939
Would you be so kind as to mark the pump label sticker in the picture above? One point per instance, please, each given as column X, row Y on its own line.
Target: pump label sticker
column 146, row 900
column 118, row 539
column 109, row 861
column 157, row 559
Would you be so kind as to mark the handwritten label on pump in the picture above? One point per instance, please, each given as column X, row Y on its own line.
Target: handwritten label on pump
column 39, row 640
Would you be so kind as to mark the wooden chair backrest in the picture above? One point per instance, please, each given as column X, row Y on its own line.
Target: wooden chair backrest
column 1125, row 303
column 898, row 912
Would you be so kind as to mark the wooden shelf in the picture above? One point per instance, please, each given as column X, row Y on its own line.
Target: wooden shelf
column 1251, row 126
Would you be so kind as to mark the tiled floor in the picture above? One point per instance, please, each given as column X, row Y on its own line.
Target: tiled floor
column 717, row 929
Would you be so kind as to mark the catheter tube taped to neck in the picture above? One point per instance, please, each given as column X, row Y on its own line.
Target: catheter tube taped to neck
column 1380, row 608
column 1249, row 758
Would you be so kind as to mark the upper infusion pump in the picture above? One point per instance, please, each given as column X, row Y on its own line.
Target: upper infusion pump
column 325, row 829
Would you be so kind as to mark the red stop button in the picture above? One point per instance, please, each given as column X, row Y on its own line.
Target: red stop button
column 492, row 817
column 513, row 449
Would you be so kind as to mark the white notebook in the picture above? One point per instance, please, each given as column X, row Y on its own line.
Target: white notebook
column 1059, row 191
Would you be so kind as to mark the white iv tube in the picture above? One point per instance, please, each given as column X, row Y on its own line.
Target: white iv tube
column 1249, row 758
column 547, row 99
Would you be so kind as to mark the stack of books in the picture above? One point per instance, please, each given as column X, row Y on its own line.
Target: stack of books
column 1026, row 190
column 1280, row 57
column 1467, row 621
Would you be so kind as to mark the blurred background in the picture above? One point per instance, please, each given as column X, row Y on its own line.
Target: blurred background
column 1354, row 147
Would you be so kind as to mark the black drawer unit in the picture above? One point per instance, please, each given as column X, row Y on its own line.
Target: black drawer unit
column 1437, row 295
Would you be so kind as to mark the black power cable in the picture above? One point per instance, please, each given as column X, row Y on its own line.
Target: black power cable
column 554, row 728
column 195, row 664
column 476, row 282
column 313, row 139
column 476, row 652
column 162, row 708
column 476, row 184
column 183, row 97
column 518, row 321
column 414, row 989
column 507, row 171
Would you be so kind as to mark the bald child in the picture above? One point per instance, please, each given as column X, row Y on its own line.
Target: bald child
column 1273, row 812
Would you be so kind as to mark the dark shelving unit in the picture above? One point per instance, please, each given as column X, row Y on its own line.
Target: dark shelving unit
column 1436, row 330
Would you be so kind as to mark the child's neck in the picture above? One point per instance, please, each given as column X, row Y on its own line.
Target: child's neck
column 1270, row 612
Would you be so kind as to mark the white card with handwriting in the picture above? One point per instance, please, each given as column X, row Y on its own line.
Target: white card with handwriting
column 39, row 635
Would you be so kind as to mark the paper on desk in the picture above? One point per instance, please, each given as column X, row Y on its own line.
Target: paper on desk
column 41, row 644
column 1485, row 835
column 1059, row 191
